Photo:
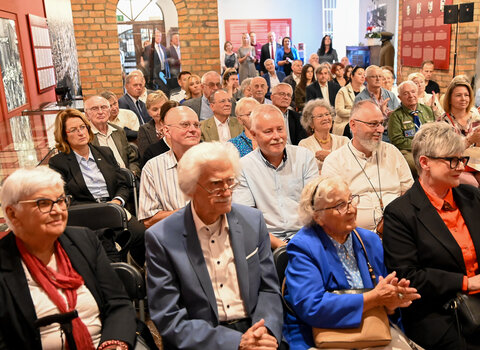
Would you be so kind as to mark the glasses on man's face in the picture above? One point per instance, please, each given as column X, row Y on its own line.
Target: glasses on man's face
column 375, row 76
column 214, row 85
column 81, row 128
column 186, row 125
column 454, row 162
column 328, row 114
column 97, row 109
column 342, row 207
column 45, row 205
column 217, row 188
column 372, row 125
column 284, row 94
column 245, row 114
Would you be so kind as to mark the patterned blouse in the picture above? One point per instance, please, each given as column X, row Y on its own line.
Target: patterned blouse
column 243, row 144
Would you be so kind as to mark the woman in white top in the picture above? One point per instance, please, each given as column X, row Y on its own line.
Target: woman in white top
column 345, row 99
column 317, row 119
column 430, row 100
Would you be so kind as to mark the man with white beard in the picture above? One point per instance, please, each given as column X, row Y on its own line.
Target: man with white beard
column 274, row 174
column 374, row 170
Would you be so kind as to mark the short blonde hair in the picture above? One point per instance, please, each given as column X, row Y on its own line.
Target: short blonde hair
column 155, row 97
column 60, row 132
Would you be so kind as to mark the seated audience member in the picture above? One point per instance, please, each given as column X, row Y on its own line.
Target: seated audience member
column 182, row 80
column 152, row 131
column 211, row 279
column 384, row 99
column 348, row 73
column 273, row 175
column 431, row 237
column 245, row 88
column 162, row 145
column 427, row 70
column 211, row 82
column 135, row 86
column 160, row 195
column 220, row 127
column 244, row 142
column 345, row 100
column 230, row 83
column 326, row 53
column 294, row 78
column 373, row 169
column 285, row 56
column 307, row 77
column 327, row 255
column 259, row 89
column 123, row 118
column 49, row 268
column 272, row 77
column 389, row 80
column 314, row 60
column 91, row 173
column 407, row 119
column 322, row 88
column 338, row 71
column 430, row 100
column 282, row 98
column 193, row 88
column 457, row 103
column 97, row 110
column 317, row 120
column 345, row 61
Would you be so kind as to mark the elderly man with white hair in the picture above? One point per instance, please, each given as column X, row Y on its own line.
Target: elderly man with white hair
column 211, row 279
column 405, row 121
column 274, row 174
column 273, row 77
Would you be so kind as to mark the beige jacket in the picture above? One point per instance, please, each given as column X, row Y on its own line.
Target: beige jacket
column 343, row 105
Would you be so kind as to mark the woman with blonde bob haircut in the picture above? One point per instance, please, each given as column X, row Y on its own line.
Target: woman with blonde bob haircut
column 327, row 255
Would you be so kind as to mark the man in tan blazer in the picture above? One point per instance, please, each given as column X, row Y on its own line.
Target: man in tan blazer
column 220, row 127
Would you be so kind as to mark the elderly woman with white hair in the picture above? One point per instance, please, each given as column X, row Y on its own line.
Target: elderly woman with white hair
column 316, row 119
column 330, row 253
column 48, row 269
column 432, row 237
column 245, row 142
column 425, row 98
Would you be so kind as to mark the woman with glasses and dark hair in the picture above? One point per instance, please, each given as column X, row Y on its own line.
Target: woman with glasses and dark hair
column 91, row 173
column 432, row 237
column 327, row 255
column 48, row 269
column 326, row 52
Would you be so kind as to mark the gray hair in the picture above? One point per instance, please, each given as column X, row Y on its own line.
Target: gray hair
column 245, row 83
column 320, row 68
column 404, row 84
column 24, row 182
column 267, row 60
column 417, row 75
column 212, row 72
column 192, row 163
column 135, row 73
column 261, row 111
column 357, row 107
column 243, row 102
column 436, row 140
column 317, row 190
column 307, row 114
column 371, row 68
column 279, row 85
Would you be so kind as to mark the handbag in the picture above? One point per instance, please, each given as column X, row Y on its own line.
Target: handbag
column 467, row 313
column 374, row 330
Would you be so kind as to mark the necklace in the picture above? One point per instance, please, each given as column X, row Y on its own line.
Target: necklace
column 322, row 141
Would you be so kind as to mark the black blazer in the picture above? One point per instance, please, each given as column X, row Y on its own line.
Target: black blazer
column 17, row 312
column 154, row 150
column 265, row 55
column 67, row 166
column 297, row 132
column 313, row 91
column 419, row 246
column 147, row 135
column 126, row 102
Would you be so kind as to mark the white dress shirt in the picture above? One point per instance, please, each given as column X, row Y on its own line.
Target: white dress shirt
column 223, row 129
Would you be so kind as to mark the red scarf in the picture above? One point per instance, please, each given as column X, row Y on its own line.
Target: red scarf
column 67, row 279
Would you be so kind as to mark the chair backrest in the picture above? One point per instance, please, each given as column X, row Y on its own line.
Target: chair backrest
column 133, row 184
column 132, row 280
column 280, row 259
column 97, row 216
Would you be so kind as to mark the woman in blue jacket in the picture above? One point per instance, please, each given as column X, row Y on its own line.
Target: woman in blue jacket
column 285, row 56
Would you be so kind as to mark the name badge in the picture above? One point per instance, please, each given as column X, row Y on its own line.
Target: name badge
column 409, row 133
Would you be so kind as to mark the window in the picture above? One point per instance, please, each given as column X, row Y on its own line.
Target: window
column 329, row 7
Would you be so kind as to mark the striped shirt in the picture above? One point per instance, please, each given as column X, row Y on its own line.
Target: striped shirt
column 159, row 190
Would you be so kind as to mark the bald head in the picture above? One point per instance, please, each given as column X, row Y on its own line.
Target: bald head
column 183, row 129
column 97, row 110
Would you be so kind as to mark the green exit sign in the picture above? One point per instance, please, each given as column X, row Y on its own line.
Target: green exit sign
column 119, row 18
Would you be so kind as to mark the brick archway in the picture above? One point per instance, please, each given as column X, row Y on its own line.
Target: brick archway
column 95, row 27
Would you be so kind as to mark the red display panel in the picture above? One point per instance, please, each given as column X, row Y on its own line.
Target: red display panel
column 424, row 36
column 235, row 27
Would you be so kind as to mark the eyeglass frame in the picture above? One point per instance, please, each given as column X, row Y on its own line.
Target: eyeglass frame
column 196, row 125
column 222, row 189
column 97, row 109
column 75, row 130
column 353, row 197
column 66, row 198
column 371, row 124
column 450, row 159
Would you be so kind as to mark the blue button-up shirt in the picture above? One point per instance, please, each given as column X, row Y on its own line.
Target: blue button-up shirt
column 349, row 262
column 93, row 176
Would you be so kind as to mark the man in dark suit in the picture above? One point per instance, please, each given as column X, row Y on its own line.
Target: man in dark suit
column 281, row 98
column 322, row 88
column 294, row 78
column 269, row 50
column 161, row 69
column 135, row 84
column 211, row 279
column 173, row 55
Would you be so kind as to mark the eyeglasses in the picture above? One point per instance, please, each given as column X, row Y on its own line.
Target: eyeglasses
column 328, row 114
column 283, row 94
column 96, row 109
column 454, row 161
column 213, row 85
column 373, row 125
column 375, row 76
column 245, row 114
column 186, row 125
column 45, row 205
column 342, row 208
column 81, row 128
column 219, row 186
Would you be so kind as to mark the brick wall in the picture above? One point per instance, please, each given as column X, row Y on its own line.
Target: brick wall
column 467, row 49
column 95, row 28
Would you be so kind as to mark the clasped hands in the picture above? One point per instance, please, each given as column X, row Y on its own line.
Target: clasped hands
column 258, row 338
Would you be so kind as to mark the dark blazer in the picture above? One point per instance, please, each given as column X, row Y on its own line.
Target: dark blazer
column 313, row 91
column 147, row 135
column 154, row 150
column 126, row 102
column 419, row 246
column 67, row 166
column 266, row 76
column 265, row 55
column 17, row 312
column 156, row 61
column 297, row 132
column 180, row 293
column 128, row 152
column 173, row 60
